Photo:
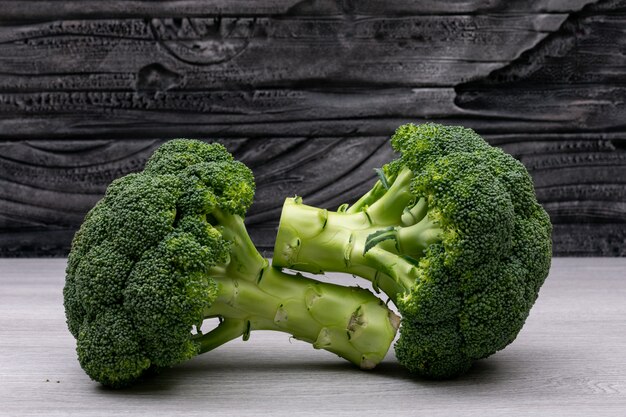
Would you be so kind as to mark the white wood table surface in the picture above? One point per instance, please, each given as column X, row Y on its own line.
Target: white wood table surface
column 570, row 359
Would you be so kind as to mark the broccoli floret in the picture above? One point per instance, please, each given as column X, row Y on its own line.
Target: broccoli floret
column 167, row 248
column 451, row 232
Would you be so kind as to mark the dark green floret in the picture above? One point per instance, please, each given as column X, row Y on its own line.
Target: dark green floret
column 167, row 248
column 451, row 232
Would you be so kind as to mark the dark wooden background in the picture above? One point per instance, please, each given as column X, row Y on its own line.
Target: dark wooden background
column 307, row 93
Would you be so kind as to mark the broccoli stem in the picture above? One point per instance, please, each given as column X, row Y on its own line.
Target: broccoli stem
column 348, row 321
column 368, row 198
column 383, row 188
column 317, row 240
column 388, row 207
column 226, row 331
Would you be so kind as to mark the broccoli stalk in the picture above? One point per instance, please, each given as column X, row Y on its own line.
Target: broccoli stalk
column 348, row 321
column 379, row 242
column 166, row 248
column 451, row 232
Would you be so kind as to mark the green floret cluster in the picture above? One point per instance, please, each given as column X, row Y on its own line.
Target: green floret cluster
column 135, row 278
column 494, row 253
column 451, row 232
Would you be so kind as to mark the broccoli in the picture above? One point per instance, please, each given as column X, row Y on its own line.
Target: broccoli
column 167, row 248
column 451, row 232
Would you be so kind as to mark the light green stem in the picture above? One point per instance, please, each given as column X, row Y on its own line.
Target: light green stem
column 317, row 240
column 388, row 209
column 348, row 321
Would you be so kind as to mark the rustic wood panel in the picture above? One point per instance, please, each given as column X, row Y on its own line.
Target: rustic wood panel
column 228, row 52
column 306, row 93
column 49, row 9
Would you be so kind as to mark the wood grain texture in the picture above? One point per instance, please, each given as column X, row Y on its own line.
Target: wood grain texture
column 567, row 361
column 47, row 9
column 306, row 93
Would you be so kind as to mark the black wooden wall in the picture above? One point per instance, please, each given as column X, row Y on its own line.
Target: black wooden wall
column 307, row 93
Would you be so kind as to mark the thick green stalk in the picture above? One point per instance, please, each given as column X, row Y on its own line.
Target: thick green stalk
column 348, row 321
column 317, row 240
column 245, row 260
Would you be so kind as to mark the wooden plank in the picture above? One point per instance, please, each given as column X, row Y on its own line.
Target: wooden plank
column 577, row 183
column 216, row 52
column 590, row 239
column 49, row 9
column 567, row 361
column 529, row 95
column 306, row 93
column 287, row 112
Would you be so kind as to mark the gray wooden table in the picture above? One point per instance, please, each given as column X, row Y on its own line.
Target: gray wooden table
column 570, row 359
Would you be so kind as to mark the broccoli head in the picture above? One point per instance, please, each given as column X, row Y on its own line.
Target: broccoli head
column 451, row 232
column 166, row 248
